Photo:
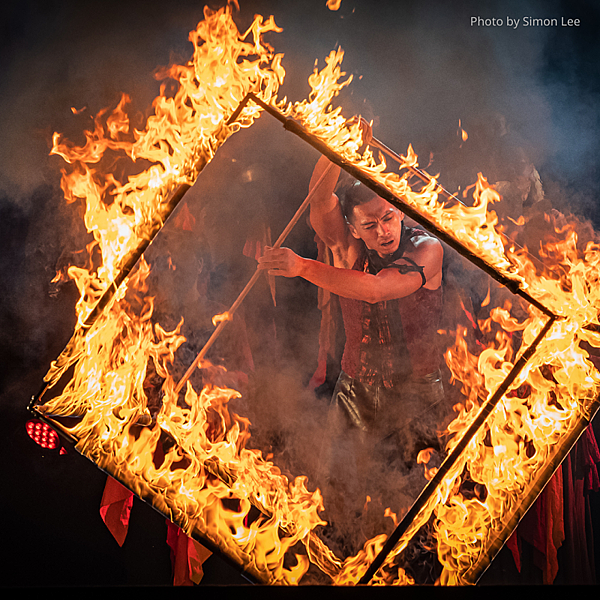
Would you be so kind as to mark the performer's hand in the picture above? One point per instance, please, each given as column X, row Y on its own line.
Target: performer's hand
column 280, row 261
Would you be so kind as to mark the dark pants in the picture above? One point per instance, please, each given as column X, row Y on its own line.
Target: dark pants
column 375, row 435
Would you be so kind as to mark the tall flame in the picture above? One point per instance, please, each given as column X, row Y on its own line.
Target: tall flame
column 205, row 444
column 191, row 459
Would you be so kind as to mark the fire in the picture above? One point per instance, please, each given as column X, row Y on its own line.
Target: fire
column 464, row 136
column 423, row 458
column 182, row 135
column 523, row 435
column 527, row 424
column 220, row 318
column 190, row 457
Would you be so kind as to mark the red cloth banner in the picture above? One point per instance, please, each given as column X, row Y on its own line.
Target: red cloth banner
column 115, row 509
column 187, row 556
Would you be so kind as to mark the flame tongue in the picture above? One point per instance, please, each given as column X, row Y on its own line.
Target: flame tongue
column 183, row 134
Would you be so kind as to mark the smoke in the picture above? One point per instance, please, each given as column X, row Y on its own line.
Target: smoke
column 69, row 54
column 418, row 68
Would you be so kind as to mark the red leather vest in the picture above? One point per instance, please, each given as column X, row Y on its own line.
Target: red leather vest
column 391, row 341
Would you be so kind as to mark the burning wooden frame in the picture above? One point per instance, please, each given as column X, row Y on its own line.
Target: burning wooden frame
column 463, row 554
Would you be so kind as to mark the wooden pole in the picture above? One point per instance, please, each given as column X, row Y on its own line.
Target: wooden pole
column 229, row 314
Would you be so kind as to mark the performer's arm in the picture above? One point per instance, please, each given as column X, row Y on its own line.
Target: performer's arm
column 386, row 285
column 325, row 213
column 326, row 216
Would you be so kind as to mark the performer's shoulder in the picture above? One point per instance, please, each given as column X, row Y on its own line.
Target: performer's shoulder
column 418, row 237
column 425, row 248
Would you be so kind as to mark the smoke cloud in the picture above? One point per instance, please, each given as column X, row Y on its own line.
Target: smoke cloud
column 418, row 68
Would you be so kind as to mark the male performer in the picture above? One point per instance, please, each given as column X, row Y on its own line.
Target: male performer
column 388, row 277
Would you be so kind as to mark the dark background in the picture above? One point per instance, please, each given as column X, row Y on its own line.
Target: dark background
column 418, row 68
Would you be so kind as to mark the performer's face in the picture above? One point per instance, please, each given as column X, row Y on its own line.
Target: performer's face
column 378, row 224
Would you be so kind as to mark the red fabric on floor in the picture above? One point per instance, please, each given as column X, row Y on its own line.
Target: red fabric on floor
column 581, row 478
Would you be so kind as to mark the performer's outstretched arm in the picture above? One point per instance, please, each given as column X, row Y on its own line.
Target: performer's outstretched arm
column 386, row 285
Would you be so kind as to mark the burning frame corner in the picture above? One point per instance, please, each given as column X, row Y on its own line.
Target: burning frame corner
column 424, row 506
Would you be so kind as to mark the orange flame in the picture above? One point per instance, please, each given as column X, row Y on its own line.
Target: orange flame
column 220, row 318
column 204, row 460
column 192, row 461
column 463, row 134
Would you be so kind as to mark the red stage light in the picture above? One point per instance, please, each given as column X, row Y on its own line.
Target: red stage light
column 42, row 434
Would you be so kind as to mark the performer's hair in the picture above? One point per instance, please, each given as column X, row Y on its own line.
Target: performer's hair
column 352, row 193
